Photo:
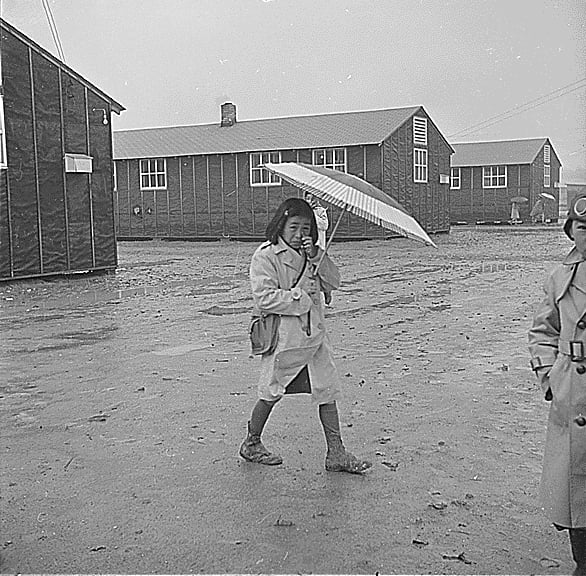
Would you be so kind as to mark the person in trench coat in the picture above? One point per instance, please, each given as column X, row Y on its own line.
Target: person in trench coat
column 283, row 282
column 557, row 343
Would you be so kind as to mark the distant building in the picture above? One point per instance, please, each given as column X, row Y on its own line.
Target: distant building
column 485, row 176
column 56, row 209
column 206, row 181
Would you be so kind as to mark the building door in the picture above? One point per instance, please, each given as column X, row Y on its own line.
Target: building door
column 148, row 213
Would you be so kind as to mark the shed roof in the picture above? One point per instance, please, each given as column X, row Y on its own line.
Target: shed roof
column 116, row 107
column 287, row 133
column 497, row 152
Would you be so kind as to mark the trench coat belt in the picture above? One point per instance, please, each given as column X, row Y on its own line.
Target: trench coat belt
column 572, row 348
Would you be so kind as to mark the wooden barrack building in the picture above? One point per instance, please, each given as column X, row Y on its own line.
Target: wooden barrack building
column 206, row 181
column 485, row 176
column 56, row 206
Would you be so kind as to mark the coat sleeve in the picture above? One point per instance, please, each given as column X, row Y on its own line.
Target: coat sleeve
column 544, row 335
column 267, row 295
column 328, row 272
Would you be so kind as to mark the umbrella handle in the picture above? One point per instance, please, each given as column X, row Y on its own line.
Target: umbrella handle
column 330, row 238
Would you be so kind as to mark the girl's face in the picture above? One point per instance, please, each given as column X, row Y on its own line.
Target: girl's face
column 579, row 235
column 296, row 227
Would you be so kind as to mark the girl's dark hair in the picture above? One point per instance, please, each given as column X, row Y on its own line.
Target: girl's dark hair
column 289, row 208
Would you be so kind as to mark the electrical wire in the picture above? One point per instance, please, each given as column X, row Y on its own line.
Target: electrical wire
column 53, row 28
column 529, row 105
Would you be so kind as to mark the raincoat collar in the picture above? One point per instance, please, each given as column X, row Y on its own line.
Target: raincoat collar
column 289, row 257
column 567, row 272
column 574, row 257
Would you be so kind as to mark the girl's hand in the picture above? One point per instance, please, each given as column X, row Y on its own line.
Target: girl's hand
column 309, row 247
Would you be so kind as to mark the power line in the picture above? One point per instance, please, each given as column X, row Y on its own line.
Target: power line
column 521, row 107
column 53, row 28
column 558, row 93
column 511, row 115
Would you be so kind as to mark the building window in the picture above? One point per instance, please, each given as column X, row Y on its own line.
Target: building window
column 334, row 158
column 494, row 176
column 546, row 154
column 419, row 131
column 546, row 176
column 419, row 165
column 258, row 175
column 153, row 174
column 114, row 176
column 455, row 178
column 3, row 159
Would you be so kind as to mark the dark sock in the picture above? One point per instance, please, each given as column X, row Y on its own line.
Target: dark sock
column 260, row 415
column 578, row 542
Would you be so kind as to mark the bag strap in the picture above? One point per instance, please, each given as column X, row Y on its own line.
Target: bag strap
column 294, row 284
column 300, row 274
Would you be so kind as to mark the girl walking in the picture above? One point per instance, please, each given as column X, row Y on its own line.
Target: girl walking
column 283, row 283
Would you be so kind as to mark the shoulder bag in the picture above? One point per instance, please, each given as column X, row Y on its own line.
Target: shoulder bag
column 264, row 328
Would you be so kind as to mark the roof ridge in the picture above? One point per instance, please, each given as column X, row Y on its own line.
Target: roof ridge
column 501, row 141
column 318, row 115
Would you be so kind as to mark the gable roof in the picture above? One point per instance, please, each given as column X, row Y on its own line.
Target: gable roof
column 288, row 133
column 497, row 152
column 116, row 107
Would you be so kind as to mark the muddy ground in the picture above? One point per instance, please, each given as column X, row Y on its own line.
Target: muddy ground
column 124, row 398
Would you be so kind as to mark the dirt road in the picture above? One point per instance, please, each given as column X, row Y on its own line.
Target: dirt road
column 124, row 399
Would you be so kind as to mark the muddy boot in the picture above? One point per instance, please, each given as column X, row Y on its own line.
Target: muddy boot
column 578, row 542
column 338, row 459
column 252, row 449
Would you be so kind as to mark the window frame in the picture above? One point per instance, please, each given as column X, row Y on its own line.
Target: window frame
column 417, row 139
column 266, row 178
column 494, row 179
column 420, row 169
column 547, row 154
column 454, row 178
column 334, row 164
column 152, row 173
column 3, row 153
column 546, row 176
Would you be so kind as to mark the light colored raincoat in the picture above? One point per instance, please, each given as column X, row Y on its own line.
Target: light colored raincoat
column 273, row 271
column 557, row 342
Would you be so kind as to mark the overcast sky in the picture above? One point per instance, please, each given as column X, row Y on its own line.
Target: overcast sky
column 173, row 62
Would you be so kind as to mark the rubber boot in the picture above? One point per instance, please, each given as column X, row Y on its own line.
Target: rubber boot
column 252, row 449
column 578, row 542
column 338, row 459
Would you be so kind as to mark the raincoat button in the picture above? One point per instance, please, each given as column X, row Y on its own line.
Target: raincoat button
column 580, row 420
column 581, row 324
column 581, row 369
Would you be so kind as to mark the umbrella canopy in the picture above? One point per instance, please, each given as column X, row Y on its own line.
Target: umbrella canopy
column 518, row 199
column 547, row 196
column 353, row 194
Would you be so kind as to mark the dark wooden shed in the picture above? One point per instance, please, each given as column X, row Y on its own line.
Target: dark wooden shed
column 56, row 170
column 486, row 175
column 205, row 181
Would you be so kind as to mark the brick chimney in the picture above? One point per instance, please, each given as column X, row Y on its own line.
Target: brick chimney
column 228, row 114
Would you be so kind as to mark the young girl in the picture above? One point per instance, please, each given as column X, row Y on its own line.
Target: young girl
column 282, row 280
column 557, row 341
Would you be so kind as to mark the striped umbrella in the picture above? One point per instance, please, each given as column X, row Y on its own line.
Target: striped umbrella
column 352, row 194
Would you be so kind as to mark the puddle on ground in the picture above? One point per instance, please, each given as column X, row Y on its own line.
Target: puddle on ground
column 207, row 290
column 225, row 310
column 67, row 340
column 182, row 349
column 87, row 298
